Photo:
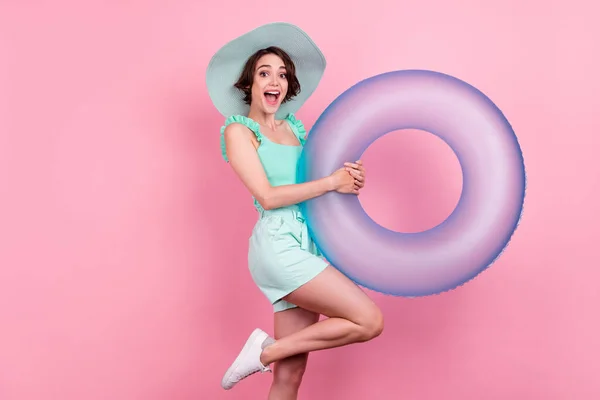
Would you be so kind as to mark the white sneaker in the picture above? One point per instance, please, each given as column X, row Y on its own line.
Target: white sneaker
column 248, row 361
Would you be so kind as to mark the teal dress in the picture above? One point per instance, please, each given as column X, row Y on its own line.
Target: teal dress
column 281, row 256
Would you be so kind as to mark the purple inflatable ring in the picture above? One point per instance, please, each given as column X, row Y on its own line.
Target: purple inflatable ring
column 488, row 211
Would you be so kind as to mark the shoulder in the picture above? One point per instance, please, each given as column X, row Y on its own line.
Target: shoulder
column 236, row 123
column 237, row 127
column 298, row 127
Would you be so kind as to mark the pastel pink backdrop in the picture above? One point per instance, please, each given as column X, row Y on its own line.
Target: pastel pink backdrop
column 123, row 233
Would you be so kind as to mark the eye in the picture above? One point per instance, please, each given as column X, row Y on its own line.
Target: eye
column 263, row 73
column 283, row 76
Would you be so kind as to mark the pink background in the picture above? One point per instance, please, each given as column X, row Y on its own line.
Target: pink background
column 123, row 233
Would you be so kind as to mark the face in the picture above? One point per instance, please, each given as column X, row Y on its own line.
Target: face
column 270, row 84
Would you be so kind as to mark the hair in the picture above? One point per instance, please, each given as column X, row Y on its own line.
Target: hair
column 246, row 79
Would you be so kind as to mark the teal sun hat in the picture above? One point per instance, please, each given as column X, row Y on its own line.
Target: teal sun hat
column 227, row 64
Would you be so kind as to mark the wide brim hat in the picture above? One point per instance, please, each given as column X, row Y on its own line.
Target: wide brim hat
column 227, row 64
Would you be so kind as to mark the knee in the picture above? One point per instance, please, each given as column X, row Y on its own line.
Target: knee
column 371, row 324
column 290, row 374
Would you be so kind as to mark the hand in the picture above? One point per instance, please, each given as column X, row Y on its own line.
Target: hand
column 343, row 182
column 357, row 171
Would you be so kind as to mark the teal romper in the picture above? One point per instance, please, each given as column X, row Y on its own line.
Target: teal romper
column 281, row 256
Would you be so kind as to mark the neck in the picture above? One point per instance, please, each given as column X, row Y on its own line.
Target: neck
column 263, row 118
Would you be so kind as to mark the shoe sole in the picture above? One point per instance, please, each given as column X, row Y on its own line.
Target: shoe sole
column 254, row 336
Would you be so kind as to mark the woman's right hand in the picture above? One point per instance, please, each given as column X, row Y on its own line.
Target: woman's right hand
column 343, row 182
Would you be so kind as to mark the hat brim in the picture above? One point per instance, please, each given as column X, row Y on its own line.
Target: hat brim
column 227, row 64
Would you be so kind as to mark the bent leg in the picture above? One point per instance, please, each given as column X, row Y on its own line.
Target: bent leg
column 353, row 317
column 288, row 372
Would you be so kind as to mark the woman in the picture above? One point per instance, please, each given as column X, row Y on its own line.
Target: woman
column 262, row 141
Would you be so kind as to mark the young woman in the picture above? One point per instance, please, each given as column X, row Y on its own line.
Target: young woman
column 262, row 140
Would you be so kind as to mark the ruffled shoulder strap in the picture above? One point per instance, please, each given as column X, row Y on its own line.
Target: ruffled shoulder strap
column 239, row 119
column 298, row 128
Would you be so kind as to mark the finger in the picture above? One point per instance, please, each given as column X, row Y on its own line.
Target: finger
column 352, row 165
column 356, row 174
column 359, row 184
column 355, row 171
column 355, row 167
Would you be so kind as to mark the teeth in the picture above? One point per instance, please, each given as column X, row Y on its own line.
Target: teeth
column 275, row 93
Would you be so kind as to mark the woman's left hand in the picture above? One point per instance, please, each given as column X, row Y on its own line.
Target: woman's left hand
column 358, row 172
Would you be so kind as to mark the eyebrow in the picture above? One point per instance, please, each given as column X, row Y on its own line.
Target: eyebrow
column 267, row 65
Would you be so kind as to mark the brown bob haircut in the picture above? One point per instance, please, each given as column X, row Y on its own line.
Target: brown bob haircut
column 246, row 78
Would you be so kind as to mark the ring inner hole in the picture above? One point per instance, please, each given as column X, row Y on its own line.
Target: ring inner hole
column 414, row 181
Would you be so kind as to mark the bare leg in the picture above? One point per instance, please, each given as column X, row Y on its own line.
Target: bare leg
column 353, row 317
column 288, row 372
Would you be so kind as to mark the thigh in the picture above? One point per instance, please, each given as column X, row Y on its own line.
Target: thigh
column 332, row 294
column 292, row 320
column 287, row 322
column 279, row 258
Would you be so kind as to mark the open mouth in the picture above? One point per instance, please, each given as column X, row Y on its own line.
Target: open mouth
column 272, row 96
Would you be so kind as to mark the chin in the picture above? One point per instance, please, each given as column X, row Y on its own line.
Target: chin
column 271, row 109
column 272, row 101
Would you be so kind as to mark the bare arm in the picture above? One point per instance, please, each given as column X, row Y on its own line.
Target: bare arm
column 246, row 164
